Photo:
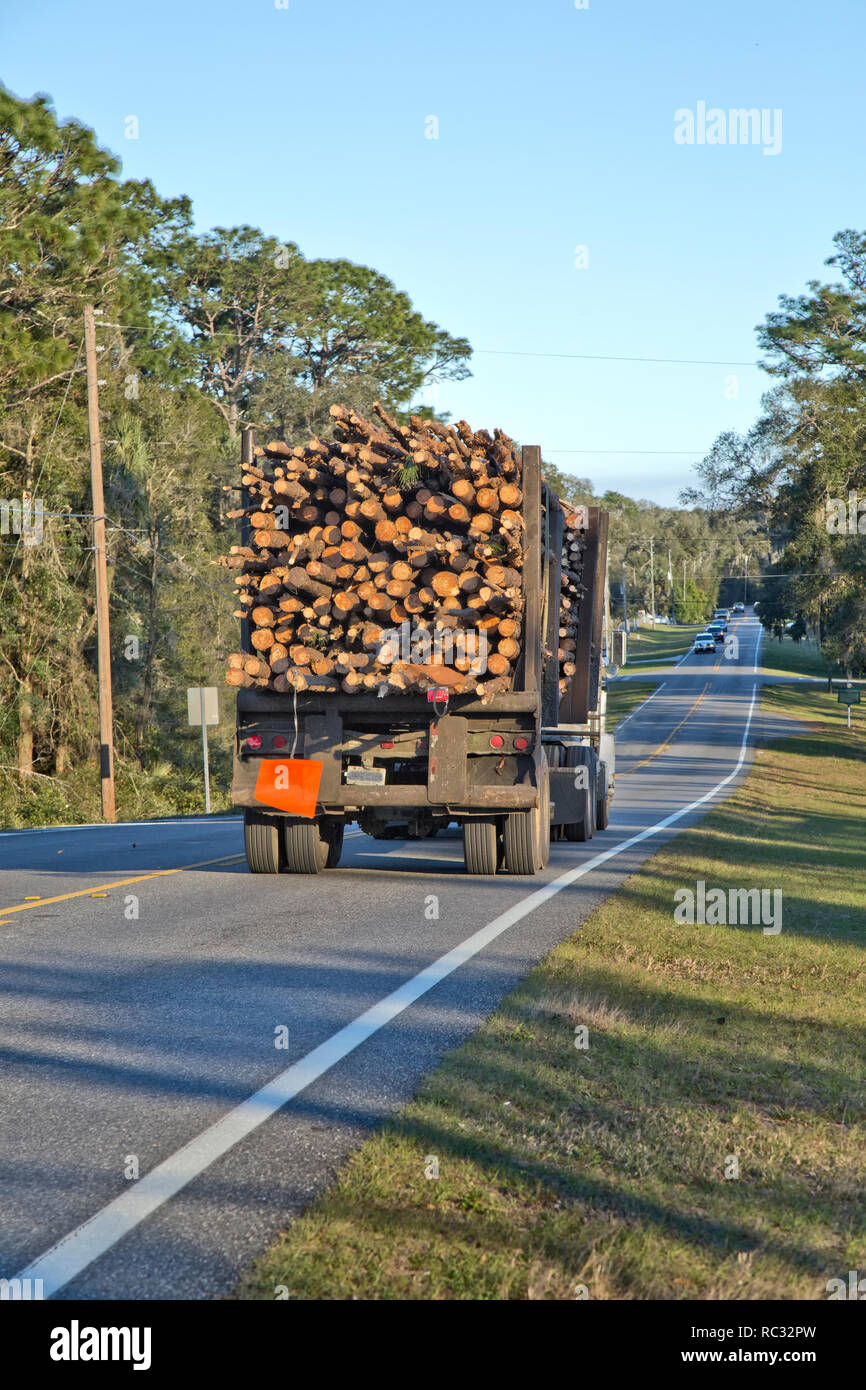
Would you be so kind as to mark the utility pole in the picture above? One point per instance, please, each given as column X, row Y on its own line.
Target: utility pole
column 684, row 587
column 652, row 584
column 103, row 644
column 670, row 584
column 607, row 645
column 624, row 604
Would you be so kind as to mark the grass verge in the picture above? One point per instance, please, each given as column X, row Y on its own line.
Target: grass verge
column 663, row 644
column 624, row 698
column 75, row 798
column 783, row 656
column 565, row 1171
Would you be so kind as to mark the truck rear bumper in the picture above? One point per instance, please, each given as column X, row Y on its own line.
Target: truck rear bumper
column 457, row 782
column 482, row 800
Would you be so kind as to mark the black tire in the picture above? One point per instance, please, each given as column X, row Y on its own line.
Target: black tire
column 262, row 843
column 307, row 846
column 602, row 814
column 583, row 829
column 481, row 845
column 527, row 846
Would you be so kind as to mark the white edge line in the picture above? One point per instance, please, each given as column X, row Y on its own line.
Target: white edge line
column 119, row 825
column 127, row 825
column 650, row 661
column 75, row 1251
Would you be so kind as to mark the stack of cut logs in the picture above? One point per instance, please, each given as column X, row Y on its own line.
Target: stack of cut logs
column 572, row 590
column 387, row 528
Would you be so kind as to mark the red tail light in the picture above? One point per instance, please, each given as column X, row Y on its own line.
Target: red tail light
column 521, row 743
column 279, row 741
column 254, row 742
column 497, row 741
column 387, row 745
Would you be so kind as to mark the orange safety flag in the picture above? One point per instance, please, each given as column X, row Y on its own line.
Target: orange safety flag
column 289, row 784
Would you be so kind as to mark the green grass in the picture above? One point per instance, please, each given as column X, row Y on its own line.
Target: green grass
column 786, row 657
column 624, row 697
column 75, row 798
column 604, row 1169
column 665, row 643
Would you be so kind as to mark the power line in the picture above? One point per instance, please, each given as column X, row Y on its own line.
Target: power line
column 169, row 560
column 132, row 533
column 138, row 574
column 498, row 352
column 795, row 574
column 688, row 452
column 598, row 357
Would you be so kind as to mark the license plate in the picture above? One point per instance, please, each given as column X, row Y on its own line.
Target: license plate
column 365, row 776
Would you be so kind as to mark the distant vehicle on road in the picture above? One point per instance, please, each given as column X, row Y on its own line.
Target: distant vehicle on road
column 705, row 642
column 739, row 608
column 717, row 630
column 723, row 613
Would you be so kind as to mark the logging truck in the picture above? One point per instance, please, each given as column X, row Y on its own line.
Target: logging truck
column 514, row 767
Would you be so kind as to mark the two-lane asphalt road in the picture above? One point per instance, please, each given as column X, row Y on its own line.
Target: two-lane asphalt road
column 188, row 1052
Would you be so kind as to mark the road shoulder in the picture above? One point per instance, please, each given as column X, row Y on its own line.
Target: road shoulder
column 660, row 1110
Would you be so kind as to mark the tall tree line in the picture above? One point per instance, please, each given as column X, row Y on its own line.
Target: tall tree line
column 699, row 555
column 800, row 471
column 200, row 334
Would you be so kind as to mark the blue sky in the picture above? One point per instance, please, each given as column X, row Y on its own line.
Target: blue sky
column 555, row 131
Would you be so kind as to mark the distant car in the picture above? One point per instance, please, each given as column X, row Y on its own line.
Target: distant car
column 717, row 631
column 739, row 608
column 705, row 642
column 724, row 613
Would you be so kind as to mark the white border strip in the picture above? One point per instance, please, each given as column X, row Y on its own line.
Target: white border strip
column 122, row 825
column 65, row 1260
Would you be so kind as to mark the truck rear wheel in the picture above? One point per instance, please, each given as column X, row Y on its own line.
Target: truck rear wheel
column 527, row 833
column 603, row 794
column 481, row 845
column 584, row 828
column 262, row 843
column 308, row 846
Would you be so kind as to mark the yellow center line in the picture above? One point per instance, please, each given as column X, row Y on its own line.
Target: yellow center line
column 120, row 883
column 667, row 743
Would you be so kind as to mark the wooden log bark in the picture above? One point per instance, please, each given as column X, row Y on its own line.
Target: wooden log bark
column 365, row 546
